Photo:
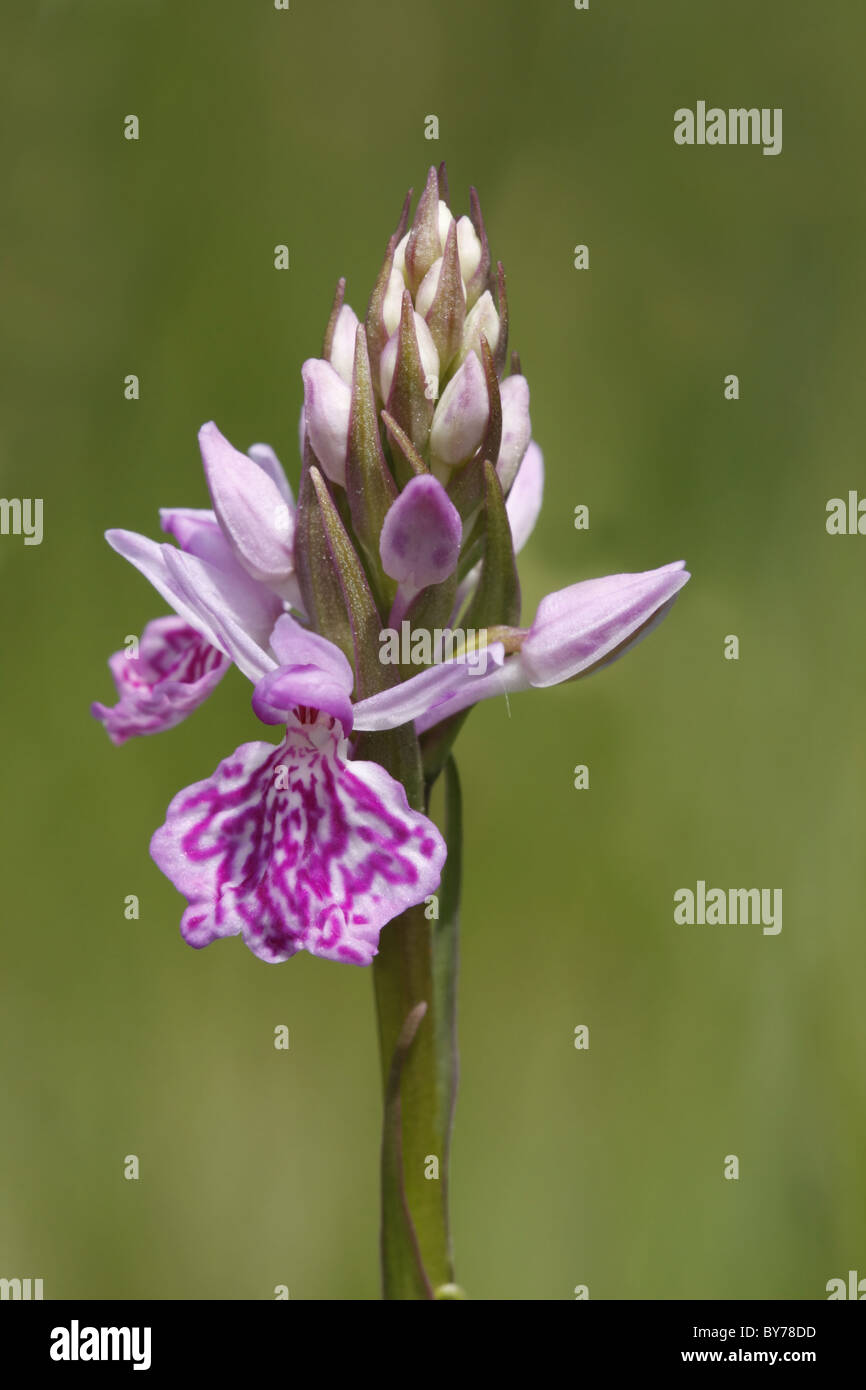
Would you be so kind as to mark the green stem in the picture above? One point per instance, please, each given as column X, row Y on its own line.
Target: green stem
column 415, row 1256
column 415, row 983
column 446, row 964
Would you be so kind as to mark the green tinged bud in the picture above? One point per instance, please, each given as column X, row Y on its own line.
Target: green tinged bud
column 447, row 313
column 501, row 354
column 339, row 297
column 377, row 333
column 411, row 398
column 424, row 246
column 333, row 584
column 369, row 484
column 497, row 599
column 478, row 282
column 466, row 486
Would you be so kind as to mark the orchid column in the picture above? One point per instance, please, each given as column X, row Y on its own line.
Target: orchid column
column 369, row 618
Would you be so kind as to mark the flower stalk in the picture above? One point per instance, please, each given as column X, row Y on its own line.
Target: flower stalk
column 415, row 976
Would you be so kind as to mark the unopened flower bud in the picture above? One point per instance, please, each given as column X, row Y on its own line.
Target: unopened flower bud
column 420, row 540
column 342, row 354
column 482, row 318
column 446, row 217
column 327, row 402
column 468, row 248
column 428, row 287
column 393, row 301
column 429, row 359
column 461, row 416
column 400, row 256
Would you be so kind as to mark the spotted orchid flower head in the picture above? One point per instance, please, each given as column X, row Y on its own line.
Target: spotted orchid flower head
column 420, row 483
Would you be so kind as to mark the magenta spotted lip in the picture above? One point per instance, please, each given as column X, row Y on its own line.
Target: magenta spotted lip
column 171, row 674
column 295, row 848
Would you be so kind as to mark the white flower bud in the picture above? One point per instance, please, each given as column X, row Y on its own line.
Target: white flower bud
column 482, row 318
column 400, row 255
column 429, row 358
column 393, row 301
column 468, row 249
column 327, row 402
column 428, row 287
column 446, row 217
column 342, row 357
column 516, row 428
column 461, row 416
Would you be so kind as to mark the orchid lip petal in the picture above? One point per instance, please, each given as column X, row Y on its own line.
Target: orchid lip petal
column 295, row 848
column 172, row 672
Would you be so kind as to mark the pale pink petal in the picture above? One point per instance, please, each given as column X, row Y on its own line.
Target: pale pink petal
column 294, row 645
column 579, row 626
column 327, row 402
column 523, row 503
column 461, row 416
column 264, row 456
column 577, row 630
column 421, row 534
column 516, row 429
column 437, row 688
column 313, row 673
column 236, row 615
column 251, row 509
column 505, row 679
column 342, row 357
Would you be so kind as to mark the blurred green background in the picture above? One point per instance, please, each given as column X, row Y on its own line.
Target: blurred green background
column 603, row 1167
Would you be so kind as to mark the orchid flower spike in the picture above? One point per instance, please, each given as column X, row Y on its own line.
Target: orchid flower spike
column 420, row 483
